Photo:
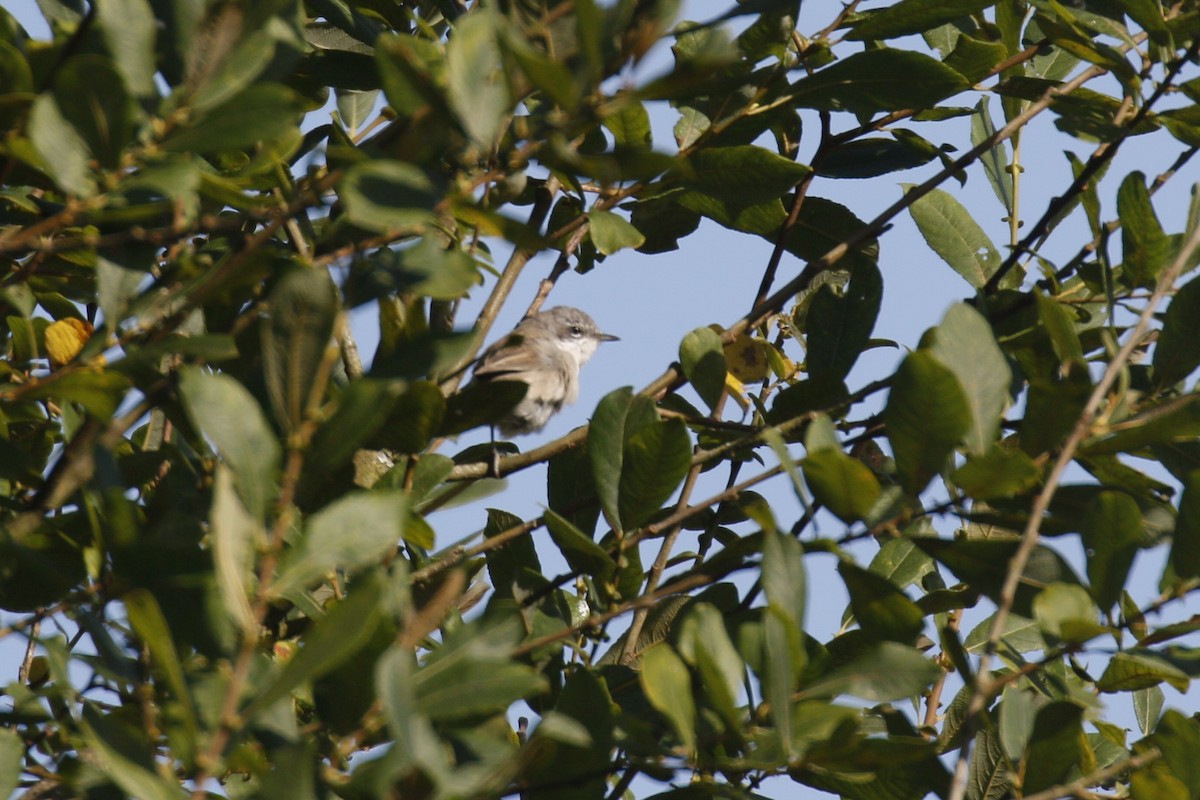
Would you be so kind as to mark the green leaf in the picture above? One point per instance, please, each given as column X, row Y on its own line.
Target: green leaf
column 912, row 16
column 388, row 196
column 1177, row 353
column 982, row 563
column 1147, row 706
column 333, row 640
column 668, row 686
column 1055, row 746
column 1019, row 634
column 1133, row 670
column 581, row 553
column 901, row 562
column 630, row 125
column 995, row 159
column 1112, row 532
column 889, row 671
column 704, row 643
column 105, row 746
column 839, row 326
column 152, row 628
column 618, row 415
column 843, row 484
column 128, row 29
column 997, row 473
column 703, row 359
column 975, row 58
column 1185, row 544
column 742, row 175
column 611, row 232
column 1017, row 709
column 1060, row 328
column 506, row 564
column 1145, row 247
column 236, row 535
column 262, row 113
column 495, row 685
column 878, row 80
column 414, row 419
column 475, row 83
column 1066, row 612
column 427, row 269
column 870, row 157
column 783, row 576
column 927, row 416
column 965, row 343
column 883, row 612
column 92, row 97
column 362, row 407
column 655, row 461
column 547, row 74
column 991, row 776
column 1052, row 408
column 228, row 415
column 63, row 151
column 351, row 533
column 99, row 391
column 302, row 311
column 1178, row 738
column 572, row 770
column 12, row 757
column 954, row 235
column 416, row 741
column 480, row 404
column 115, row 288
column 570, row 489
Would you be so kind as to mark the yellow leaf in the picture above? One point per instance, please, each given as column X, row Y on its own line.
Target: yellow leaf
column 747, row 358
column 65, row 338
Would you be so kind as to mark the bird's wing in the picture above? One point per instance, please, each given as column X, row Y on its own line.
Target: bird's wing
column 506, row 357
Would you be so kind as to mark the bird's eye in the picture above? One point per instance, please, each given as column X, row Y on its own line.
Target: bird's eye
column 576, row 331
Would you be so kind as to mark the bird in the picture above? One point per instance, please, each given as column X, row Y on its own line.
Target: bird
column 545, row 352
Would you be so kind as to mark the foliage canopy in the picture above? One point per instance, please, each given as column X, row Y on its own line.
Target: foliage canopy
column 219, row 534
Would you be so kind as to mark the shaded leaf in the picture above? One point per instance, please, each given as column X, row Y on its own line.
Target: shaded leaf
column 882, row 611
column 839, row 326
column 229, row 416
column 1112, row 532
column 668, row 686
column 703, row 359
column 878, row 80
column 964, row 342
column 335, row 638
column 1177, row 353
column 388, row 196
column 927, row 416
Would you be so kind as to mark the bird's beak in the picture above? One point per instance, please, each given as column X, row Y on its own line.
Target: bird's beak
column 608, row 337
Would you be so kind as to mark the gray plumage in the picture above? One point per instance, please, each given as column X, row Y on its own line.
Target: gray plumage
column 545, row 352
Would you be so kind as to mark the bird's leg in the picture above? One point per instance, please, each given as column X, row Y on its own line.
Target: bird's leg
column 494, row 466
